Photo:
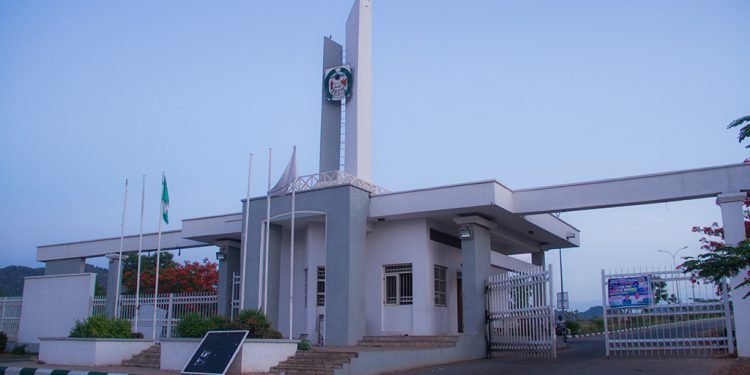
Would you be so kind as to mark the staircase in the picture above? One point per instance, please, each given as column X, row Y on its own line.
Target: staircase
column 409, row 341
column 150, row 357
column 314, row 362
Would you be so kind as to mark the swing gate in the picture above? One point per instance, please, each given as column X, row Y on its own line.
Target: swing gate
column 520, row 314
column 665, row 314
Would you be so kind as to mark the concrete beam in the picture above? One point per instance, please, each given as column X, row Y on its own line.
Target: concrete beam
column 627, row 191
column 95, row 248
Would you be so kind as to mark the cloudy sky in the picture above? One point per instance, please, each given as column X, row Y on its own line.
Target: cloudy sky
column 529, row 93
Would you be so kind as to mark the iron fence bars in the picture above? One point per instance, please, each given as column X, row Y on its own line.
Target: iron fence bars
column 682, row 317
column 171, row 308
column 10, row 316
column 235, row 306
column 520, row 314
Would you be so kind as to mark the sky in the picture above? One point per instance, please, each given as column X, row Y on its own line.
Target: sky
column 530, row 93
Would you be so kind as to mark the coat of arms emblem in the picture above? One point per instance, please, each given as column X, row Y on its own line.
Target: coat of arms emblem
column 338, row 83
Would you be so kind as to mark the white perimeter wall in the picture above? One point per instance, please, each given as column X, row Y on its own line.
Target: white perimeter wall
column 52, row 304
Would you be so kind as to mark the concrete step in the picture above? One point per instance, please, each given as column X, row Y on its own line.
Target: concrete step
column 314, row 362
column 149, row 358
column 409, row 341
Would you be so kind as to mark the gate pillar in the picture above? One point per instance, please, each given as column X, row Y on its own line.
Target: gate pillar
column 734, row 232
column 475, row 268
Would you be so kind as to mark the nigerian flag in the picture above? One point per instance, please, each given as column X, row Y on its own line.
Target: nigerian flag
column 164, row 200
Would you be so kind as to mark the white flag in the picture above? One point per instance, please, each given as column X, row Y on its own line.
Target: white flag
column 287, row 179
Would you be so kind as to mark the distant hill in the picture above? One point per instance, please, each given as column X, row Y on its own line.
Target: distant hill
column 592, row 312
column 11, row 278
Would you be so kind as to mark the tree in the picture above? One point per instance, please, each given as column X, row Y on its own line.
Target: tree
column 720, row 261
column 190, row 277
column 744, row 131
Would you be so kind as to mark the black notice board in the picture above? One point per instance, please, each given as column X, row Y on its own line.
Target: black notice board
column 215, row 352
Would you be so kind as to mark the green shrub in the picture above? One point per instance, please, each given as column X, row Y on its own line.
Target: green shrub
column 19, row 350
column 304, row 343
column 3, row 341
column 194, row 325
column 573, row 326
column 256, row 323
column 100, row 326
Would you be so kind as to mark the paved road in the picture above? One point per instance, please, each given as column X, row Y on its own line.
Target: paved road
column 583, row 356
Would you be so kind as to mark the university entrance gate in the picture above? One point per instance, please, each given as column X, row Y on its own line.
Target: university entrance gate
column 665, row 314
column 520, row 314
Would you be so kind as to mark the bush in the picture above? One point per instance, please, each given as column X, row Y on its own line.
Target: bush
column 573, row 326
column 100, row 326
column 304, row 343
column 194, row 325
column 3, row 341
column 19, row 350
column 254, row 321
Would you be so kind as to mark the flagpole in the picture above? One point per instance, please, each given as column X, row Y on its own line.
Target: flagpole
column 140, row 249
column 268, row 237
column 158, row 257
column 291, row 251
column 119, row 256
column 260, row 264
column 244, row 238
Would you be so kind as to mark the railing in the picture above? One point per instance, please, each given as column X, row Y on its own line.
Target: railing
column 684, row 317
column 170, row 308
column 10, row 316
column 334, row 178
column 235, row 310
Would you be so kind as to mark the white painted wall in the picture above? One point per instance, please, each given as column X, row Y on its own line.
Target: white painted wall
column 52, row 304
column 256, row 355
column 315, row 256
column 444, row 319
column 408, row 241
column 393, row 242
column 89, row 352
column 309, row 252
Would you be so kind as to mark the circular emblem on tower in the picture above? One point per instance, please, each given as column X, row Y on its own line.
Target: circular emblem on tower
column 338, row 83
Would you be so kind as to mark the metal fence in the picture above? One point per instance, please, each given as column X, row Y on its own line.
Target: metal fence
column 170, row 308
column 521, row 315
column 10, row 316
column 683, row 317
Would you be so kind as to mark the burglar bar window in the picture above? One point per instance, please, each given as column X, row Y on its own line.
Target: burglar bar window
column 398, row 284
column 321, row 294
column 440, row 287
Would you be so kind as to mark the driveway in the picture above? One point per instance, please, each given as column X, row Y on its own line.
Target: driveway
column 585, row 356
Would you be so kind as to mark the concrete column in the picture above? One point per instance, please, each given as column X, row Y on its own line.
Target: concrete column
column 537, row 259
column 733, row 221
column 346, row 236
column 114, row 263
column 330, row 113
column 476, row 267
column 229, row 252
column 64, row 266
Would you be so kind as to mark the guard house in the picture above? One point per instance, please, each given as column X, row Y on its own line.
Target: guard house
column 369, row 262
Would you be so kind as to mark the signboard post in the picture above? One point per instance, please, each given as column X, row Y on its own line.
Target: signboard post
column 215, row 353
column 629, row 292
column 562, row 301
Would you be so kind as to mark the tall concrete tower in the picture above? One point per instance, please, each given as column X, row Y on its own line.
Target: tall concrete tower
column 358, row 137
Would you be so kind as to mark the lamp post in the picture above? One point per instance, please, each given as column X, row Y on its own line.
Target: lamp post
column 673, row 255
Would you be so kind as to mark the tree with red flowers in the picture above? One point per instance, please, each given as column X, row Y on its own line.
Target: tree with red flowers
column 720, row 261
column 189, row 277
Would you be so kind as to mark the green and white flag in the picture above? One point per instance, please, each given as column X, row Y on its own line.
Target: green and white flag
column 164, row 200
